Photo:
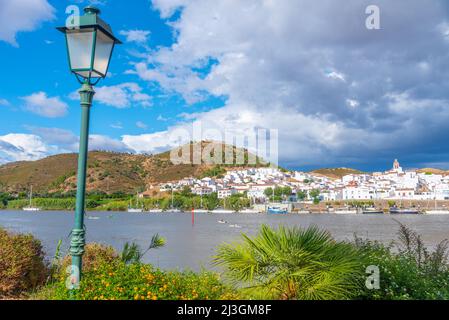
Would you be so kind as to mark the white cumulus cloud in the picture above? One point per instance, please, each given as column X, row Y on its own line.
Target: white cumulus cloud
column 50, row 107
column 22, row 15
column 120, row 96
column 23, row 147
column 138, row 36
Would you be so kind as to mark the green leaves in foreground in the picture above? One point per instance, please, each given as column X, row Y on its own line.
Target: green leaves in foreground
column 292, row 263
column 132, row 253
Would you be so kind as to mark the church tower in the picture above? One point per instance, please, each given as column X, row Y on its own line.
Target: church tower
column 396, row 164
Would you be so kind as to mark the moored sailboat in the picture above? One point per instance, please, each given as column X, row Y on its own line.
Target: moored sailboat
column 30, row 206
column 135, row 209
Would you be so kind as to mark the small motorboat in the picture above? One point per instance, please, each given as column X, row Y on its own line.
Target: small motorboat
column 372, row 211
column 236, row 226
column 222, row 222
column 396, row 210
column 93, row 218
column 276, row 210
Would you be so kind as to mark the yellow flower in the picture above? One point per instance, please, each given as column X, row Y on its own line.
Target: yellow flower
column 154, row 297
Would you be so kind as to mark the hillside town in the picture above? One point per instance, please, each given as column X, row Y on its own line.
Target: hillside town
column 393, row 184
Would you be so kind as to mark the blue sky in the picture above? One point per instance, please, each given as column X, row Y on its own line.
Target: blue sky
column 38, row 64
column 338, row 93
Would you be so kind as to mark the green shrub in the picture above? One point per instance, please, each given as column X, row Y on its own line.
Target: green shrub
column 292, row 263
column 114, row 206
column 22, row 266
column 95, row 255
column 408, row 270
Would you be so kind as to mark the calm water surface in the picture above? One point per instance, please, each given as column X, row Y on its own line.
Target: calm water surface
column 192, row 247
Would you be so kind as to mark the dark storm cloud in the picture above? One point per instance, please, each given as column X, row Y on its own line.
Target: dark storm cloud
column 352, row 94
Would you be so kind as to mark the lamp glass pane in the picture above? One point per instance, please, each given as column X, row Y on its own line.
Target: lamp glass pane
column 103, row 52
column 80, row 43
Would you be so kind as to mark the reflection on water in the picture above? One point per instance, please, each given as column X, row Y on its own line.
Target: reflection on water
column 193, row 247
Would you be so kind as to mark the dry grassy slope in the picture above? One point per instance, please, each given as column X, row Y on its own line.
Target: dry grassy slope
column 336, row 173
column 433, row 171
column 108, row 172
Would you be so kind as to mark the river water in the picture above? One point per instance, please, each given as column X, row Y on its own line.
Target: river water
column 192, row 247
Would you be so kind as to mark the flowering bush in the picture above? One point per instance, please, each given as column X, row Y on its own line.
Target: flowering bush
column 118, row 281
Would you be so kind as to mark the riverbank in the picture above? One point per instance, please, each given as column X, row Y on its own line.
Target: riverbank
column 236, row 203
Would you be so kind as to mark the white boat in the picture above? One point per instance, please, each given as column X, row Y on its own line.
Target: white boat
column 135, row 210
column 222, row 211
column 437, row 211
column 155, row 211
column 93, row 218
column 345, row 211
column 175, row 210
column 222, row 222
column 236, row 226
column 201, row 211
column 372, row 211
column 249, row 211
column 30, row 207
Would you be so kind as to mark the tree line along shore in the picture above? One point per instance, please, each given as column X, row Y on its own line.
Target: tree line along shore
column 186, row 200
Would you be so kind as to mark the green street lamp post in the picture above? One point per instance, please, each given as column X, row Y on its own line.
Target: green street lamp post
column 89, row 46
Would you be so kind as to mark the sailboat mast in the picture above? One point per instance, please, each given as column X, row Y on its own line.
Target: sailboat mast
column 31, row 195
column 435, row 196
column 201, row 199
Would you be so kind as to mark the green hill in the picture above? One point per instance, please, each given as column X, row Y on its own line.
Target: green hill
column 107, row 172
